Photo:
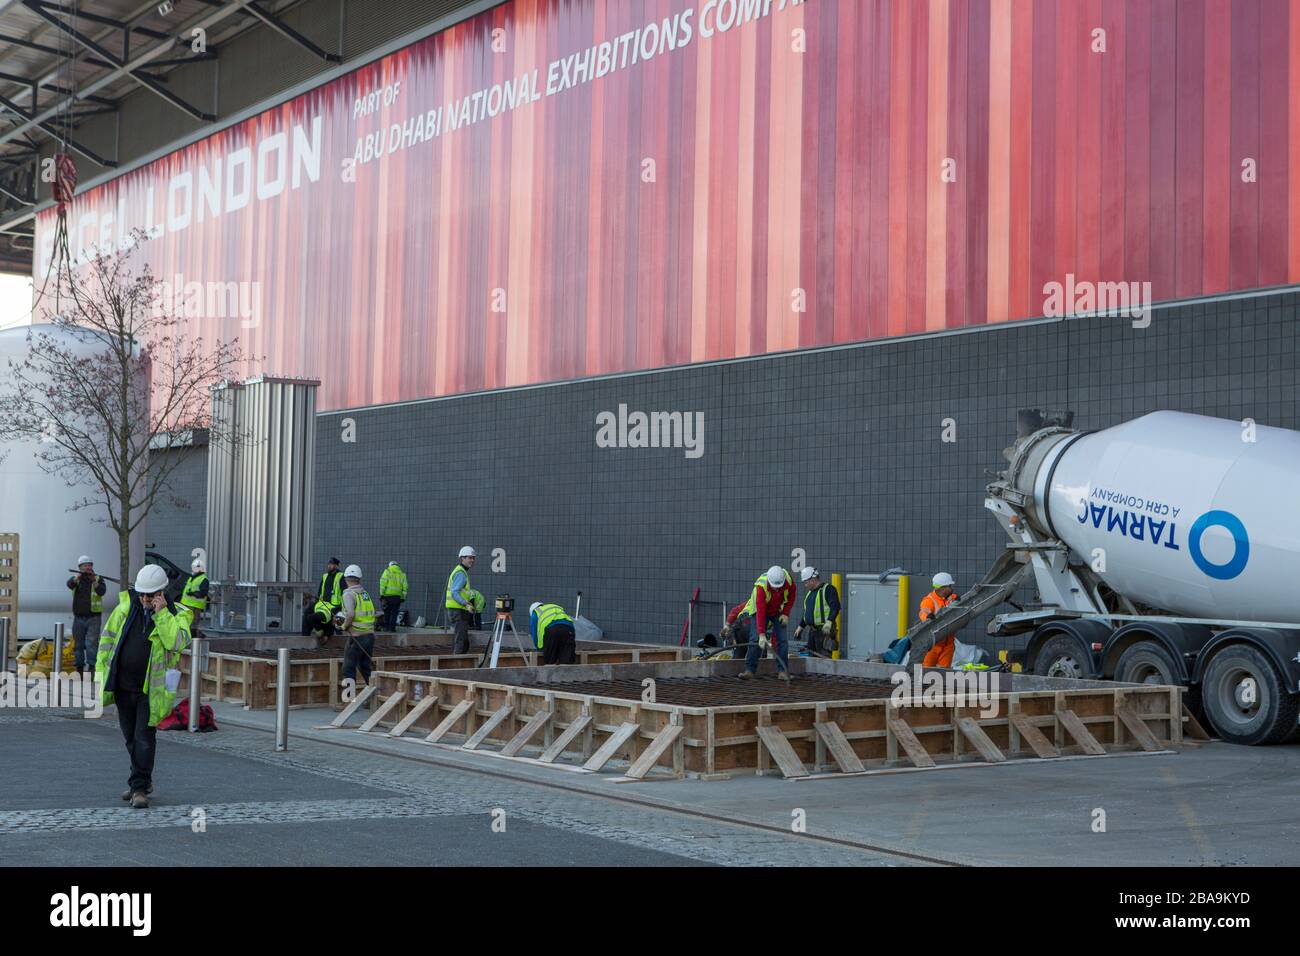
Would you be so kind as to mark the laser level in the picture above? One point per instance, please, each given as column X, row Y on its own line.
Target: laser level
column 505, row 606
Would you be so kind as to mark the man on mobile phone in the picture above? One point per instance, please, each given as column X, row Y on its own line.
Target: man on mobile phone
column 142, row 642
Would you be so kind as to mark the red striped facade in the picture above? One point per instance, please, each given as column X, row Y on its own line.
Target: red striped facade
column 778, row 185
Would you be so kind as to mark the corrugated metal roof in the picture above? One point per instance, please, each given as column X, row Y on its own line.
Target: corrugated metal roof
column 48, row 48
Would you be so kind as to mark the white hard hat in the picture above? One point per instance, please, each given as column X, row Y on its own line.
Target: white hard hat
column 352, row 571
column 807, row 574
column 776, row 576
column 150, row 580
column 196, row 565
column 534, row 607
column 467, row 552
column 392, row 564
column 942, row 580
column 85, row 559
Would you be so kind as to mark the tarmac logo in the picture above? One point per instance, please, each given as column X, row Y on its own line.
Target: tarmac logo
column 935, row 688
column 651, row 430
column 38, row 691
column 75, row 909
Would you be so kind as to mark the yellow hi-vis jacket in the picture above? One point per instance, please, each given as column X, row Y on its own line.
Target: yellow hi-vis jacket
column 170, row 636
column 392, row 582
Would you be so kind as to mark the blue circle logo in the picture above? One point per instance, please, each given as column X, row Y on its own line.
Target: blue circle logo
column 1237, row 563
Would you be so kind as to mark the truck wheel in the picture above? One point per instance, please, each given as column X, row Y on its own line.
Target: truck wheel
column 1062, row 656
column 1244, row 699
column 1146, row 662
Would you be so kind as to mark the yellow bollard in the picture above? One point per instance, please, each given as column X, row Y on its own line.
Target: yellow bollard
column 838, row 580
column 904, row 605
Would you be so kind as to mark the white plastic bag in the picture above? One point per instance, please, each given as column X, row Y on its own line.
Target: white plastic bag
column 965, row 654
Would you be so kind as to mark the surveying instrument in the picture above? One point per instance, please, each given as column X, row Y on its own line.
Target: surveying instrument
column 505, row 605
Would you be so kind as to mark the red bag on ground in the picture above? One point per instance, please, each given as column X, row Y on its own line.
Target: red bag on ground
column 179, row 718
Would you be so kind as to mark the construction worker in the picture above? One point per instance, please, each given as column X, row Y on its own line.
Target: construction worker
column 460, row 600
column 769, row 607
column 944, row 594
column 87, row 612
column 392, row 592
column 195, row 593
column 318, row 621
column 552, row 632
column 331, row 585
column 359, row 626
column 37, row 657
column 821, row 609
column 138, row 668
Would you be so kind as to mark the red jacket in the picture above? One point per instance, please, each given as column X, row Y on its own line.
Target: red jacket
column 767, row 603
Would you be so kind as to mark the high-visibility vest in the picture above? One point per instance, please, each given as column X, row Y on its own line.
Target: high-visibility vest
column 363, row 618
column 96, row 601
column 547, row 615
column 392, row 583
column 451, row 598
column 190, row 594
column 931, row 603
column 170, row 636
column 821, row 612
column 761, row 584
column 335, row 597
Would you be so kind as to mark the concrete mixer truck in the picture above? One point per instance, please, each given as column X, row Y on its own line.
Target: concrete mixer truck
column 1164, row 550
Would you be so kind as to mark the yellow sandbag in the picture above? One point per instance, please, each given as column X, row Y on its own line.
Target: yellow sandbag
column 37, row 655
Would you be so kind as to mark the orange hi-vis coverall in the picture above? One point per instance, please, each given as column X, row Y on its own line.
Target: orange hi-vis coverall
column 941, row 654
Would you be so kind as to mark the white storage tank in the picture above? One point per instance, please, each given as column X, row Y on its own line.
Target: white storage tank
column 35, row 505
column 1193, row 515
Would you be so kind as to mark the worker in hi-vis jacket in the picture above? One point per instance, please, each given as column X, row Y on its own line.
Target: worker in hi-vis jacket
column 769, row 606
column 944, row 594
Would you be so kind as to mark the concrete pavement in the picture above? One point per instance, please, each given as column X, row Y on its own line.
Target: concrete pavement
column 342, row 797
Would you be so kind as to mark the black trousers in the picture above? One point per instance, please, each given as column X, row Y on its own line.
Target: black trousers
column 312, row 621
column 392, row 604
column 141, row 739
column 358, row 651
column 559, row 645
column 740, row 632
column 460, row 622
column 816, row 639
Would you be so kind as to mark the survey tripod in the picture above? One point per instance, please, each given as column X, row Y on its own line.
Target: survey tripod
column 505, row 606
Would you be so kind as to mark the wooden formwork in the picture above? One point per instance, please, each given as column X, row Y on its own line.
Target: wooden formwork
column 315, row 681
column 535, row 712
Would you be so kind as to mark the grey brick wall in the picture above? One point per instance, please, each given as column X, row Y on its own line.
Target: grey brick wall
column 836, row 452
column 177, row 521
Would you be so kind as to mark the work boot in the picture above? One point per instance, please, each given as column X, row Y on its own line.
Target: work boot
column 139, row 800
column 785, row 676
column 128, row 792
column 746, row 675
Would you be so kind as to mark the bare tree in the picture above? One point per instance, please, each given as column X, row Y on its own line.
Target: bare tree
column 114, row 386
